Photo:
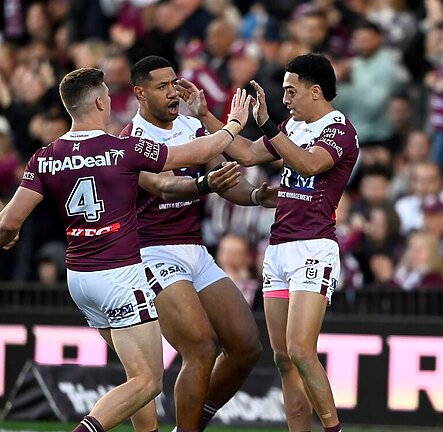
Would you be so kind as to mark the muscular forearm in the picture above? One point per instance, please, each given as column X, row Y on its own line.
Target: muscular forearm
column 179, row 189
column 240, row 194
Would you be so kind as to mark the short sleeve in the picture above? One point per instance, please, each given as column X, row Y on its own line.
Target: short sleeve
column 338, row 140
column 148, row 155
column 31, row 179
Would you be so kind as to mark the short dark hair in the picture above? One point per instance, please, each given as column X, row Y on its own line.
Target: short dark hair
column 141, row 70
column 368, row 25
column 315, row 69
column 76, row 85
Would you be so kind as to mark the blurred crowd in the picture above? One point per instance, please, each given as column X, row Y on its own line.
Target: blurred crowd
column 388, row 58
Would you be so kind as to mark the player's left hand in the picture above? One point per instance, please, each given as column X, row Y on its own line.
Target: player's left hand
column 194, row 98
column 225, row 177
column 260, row 109
column 267, row 196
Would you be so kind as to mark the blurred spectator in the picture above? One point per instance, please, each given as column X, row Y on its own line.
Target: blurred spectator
column 219, row 38
column 401, row 118
column 375, row 73
column 395, row 21
column 308, row 28
column 88, row 53
column 433, row 217
column 421, row 266
column 426, row 184
column 234, row 256
column 117, row 71
column 417, row 148
column 374, row 217
column 11, row 168
column 348, row 237
column 50, row 260
column 194, row 67
column 434, row 81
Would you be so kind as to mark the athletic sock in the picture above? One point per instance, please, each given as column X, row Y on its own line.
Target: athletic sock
column 89, row 424
column 209, row 411
column 333, row 429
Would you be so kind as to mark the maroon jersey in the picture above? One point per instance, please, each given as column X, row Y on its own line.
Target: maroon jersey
column 93, row 178
column 306, row 206
column 161, row 222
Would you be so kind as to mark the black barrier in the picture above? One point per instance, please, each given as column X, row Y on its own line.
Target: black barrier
column 68, row 392
column 383, row 370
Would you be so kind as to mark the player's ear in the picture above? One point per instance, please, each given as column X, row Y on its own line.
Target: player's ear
column 316, row 92
column 139, row 93
column 99, row 103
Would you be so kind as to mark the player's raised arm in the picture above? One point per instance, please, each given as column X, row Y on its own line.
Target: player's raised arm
column 243, row 150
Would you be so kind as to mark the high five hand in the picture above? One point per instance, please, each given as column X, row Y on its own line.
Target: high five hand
column 260, row 110
column 240, row 106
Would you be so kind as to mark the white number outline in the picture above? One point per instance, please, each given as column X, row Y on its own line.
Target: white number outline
column 90, row 198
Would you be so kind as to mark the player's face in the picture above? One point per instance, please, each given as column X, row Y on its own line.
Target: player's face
column 159, row 102
column 298, row 97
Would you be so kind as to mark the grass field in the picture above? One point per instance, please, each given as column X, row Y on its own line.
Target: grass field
column 7, row 426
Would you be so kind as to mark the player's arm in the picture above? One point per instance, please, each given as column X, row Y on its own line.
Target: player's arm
column 243, row 150
column 306, row 163
column 15, row 213
column 246, row 194
column 203, row 149
column 174, row 188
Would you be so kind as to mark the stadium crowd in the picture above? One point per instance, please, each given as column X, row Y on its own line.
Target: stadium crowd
column 388, row 59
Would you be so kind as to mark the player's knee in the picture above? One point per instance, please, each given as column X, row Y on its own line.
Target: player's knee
column 202, row 351
column 301, row 357
column 147, row 387
column 246, row 352
column 282, row 362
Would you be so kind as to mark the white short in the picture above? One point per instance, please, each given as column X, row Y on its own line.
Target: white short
column 171, row 263
column 304, row 265
column 115, row 298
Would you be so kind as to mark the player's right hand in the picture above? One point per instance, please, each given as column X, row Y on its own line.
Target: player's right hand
column 224, row 178
column 240, row 106
column 12, row 243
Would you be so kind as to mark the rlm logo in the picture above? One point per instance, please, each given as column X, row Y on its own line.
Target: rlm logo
column 51, row 165
column 291, row 179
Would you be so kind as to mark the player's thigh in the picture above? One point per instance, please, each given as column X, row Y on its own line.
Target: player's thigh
column 276, row 314
column 183, row 320
column 230, row 315
column 139, row 348
column 305, row 317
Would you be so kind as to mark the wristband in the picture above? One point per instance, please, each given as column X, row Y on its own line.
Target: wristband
column 269, row 129
column 229, row 132
column 235, row 121
column 202, row 185
column 253, row 197
column 233, row 128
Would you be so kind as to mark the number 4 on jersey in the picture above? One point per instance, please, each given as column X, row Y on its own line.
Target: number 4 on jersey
column 83, row 200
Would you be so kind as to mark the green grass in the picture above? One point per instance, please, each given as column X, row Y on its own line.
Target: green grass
column 7, row 426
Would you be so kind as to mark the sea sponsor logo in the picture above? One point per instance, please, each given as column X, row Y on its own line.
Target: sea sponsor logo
column 53, row 166
column 93, row 232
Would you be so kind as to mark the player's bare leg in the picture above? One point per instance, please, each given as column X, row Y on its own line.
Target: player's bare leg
column 186, row 327
column 298, row 408
column 237, row 332
column 139, row 348
column 305, row 317
column 145, row 419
